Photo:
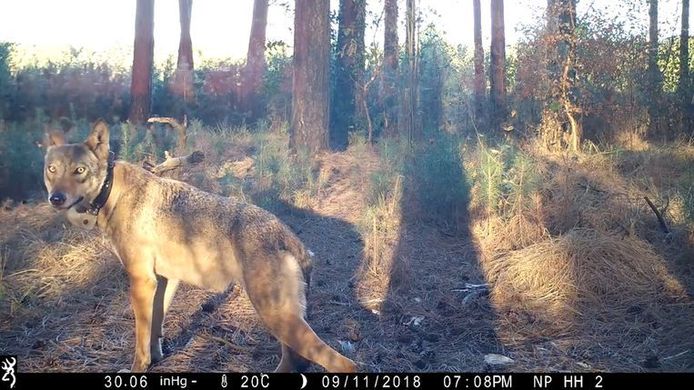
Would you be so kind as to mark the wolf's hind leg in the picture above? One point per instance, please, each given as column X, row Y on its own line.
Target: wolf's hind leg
column 291, row 361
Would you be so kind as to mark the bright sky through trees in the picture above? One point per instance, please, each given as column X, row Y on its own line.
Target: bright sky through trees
column 220, row 28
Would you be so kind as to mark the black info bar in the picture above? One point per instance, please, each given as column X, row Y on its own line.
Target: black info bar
column 391, row 381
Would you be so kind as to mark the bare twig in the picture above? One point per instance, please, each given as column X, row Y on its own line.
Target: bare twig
column 172, row 163
column 658, row 215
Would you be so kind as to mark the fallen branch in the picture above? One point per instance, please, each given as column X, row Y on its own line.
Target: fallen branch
column 172, row 163
column 180, row 128
column 658, row 215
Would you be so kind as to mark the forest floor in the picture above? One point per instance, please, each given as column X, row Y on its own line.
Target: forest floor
column 64, row 303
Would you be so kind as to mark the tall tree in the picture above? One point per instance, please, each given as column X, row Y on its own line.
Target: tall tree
column 409, row 106
column 561, row 125
column 183, row 79
column 497, row 68
column 480, row 84
column 684, row 82
column 567, row 56
column 390, row 66
column 143, row 57
column 349, row 71
column 654, row 76
column 311, row 67
column 254, row 70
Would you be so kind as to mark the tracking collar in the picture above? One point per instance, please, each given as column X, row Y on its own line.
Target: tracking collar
column 100, row 200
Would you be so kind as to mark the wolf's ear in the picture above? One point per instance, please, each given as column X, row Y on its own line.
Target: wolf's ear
column 97, row 141
column 54, row 138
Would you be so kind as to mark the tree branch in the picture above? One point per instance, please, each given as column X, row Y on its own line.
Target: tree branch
column 179, row 127
column 658, row 215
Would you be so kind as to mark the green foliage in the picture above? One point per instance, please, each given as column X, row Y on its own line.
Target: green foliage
column 277, row 86
column 433, row 68
column 437, row 180
column 490, row 177
column 21, row 165
column 505, row 178
column 445, row 83
column 164, row 102
column 289, row 178
column 669, row 62
column 5, row 78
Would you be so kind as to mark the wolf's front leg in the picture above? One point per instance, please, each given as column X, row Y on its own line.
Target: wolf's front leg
column 143, row 286
column 166, row 288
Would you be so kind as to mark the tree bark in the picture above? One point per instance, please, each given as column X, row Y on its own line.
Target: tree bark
column 390, row 69
column 497, row 71
column 480, row 84
column 561, row 126
column 409, row 106
column 567, row 51
column 349, row 72
column 684, row 82
column 551, row 131
column 182, row 85
column 254, row 70
column 143, row 57
column 311, row 67
column 653, row 71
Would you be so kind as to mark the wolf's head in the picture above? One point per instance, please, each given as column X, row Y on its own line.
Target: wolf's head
column 74, row 173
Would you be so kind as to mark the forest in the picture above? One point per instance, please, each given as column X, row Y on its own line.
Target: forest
column 502, row 206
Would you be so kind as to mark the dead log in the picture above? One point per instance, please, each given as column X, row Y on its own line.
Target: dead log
column 172, row 162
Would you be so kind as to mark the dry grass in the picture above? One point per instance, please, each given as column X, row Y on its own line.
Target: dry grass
column 581, row 258
column 566, row 282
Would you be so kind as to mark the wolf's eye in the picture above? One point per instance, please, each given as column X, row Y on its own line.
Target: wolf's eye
column 52, row 169
column 80, row 170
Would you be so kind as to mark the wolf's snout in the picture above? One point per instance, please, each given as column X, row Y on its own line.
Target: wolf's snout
column 57, row 199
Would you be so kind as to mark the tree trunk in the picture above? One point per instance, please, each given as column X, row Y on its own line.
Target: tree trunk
column 349, row 72
column 567, row 52
column 551, row 131
column 390, row 71
column 497, row 71
column 141, row 85
column 182, row 85
column 653, row 71
column 561, row 124
column 480, row 84
column 311, row 67
column 684, row 83
column 254, row 70
column 409, row 106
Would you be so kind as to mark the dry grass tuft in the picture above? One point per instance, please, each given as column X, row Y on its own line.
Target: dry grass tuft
column 567, row 281
column 634, row 140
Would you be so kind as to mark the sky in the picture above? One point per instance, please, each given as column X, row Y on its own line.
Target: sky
column 220, row 28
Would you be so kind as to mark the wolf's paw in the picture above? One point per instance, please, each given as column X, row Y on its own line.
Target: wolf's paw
column 156, row 351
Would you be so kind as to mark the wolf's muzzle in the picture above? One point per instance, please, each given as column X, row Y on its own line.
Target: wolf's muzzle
column 57, row 199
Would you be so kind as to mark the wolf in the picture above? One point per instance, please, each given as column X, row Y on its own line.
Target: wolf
column 165, row 231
